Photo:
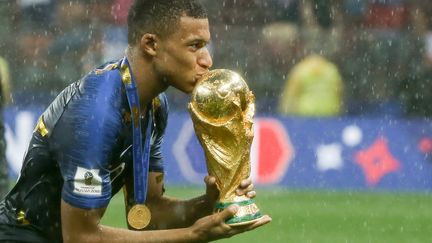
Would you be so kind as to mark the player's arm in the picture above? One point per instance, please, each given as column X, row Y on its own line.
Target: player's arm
column 168, row 212
column 83, row 225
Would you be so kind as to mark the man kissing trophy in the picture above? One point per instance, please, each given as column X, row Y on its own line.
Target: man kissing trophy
column 222, row 110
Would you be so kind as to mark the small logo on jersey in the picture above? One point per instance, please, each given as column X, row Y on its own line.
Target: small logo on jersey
column 87, row 182
column 88, row 177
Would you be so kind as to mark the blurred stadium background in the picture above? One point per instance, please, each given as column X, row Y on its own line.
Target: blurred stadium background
column 343, row 136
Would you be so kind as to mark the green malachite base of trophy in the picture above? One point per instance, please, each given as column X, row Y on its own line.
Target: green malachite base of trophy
column 248, row 212
column 222, row 110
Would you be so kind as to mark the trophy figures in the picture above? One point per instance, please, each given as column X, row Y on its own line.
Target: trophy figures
column 222, row 110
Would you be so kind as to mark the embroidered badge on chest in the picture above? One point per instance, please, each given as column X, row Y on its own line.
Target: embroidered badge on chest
column 87, row 182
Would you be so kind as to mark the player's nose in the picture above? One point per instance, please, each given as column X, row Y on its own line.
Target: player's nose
column 205, row 60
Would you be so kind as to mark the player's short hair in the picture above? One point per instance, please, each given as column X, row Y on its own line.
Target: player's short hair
column 160, row 17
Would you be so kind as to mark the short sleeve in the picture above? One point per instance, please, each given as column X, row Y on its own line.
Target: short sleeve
column 85, row 139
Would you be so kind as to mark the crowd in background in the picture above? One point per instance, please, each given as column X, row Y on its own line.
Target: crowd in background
column 382, row 49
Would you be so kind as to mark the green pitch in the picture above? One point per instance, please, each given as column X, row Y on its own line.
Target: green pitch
column 321, row 216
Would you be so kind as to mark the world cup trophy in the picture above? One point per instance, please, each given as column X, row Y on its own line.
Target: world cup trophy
column 222, row 110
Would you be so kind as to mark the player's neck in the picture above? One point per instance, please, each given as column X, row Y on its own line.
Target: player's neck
column 146, row 81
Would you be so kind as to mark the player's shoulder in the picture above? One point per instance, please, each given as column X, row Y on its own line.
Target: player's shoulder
column 107, row 72
column 106, row 68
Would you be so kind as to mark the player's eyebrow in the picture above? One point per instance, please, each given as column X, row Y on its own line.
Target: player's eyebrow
column 197, row 40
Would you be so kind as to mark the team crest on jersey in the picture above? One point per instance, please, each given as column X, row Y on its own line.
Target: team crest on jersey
column 87, row 182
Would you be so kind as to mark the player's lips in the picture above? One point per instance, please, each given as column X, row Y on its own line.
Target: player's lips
column 199, row 75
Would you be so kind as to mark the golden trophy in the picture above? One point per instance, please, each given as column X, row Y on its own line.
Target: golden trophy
column 222, row 110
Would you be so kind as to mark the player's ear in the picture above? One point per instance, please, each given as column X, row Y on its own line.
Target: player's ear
column 148, row 44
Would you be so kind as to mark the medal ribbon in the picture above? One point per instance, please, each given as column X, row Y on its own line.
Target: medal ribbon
column 141, row 159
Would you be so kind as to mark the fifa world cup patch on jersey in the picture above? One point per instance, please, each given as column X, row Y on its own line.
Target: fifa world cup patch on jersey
column 87, row 182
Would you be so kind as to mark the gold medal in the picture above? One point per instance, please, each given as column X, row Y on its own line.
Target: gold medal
column 139, row 216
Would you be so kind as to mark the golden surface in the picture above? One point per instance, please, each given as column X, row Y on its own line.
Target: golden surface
column 139, row 216
column 222, row 110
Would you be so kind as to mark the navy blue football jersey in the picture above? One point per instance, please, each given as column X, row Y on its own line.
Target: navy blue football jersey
column 81, row 152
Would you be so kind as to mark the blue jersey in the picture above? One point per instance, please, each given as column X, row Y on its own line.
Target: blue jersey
column 81, row 151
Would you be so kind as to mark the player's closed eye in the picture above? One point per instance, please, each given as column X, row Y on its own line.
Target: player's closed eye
column 197, row 45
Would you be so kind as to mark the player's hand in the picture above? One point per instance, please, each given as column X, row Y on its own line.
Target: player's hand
column 213, row 227
column 246, row 188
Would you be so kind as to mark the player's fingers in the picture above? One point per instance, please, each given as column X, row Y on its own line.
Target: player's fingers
column 245, row 183
column 262, row 221
column 228, row 212
column 251, row 194
column 210, row 180
column 245, row 190
column 212, row 191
